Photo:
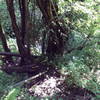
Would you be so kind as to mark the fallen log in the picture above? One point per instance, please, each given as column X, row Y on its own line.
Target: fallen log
column 26, row 81
column 14, row 54
column 9, row 54
column 31, row 69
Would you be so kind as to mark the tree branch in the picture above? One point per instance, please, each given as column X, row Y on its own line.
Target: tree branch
column 10, row 54
column 15, row 54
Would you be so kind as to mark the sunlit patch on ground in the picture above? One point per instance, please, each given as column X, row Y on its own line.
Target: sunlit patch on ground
column 47, row 88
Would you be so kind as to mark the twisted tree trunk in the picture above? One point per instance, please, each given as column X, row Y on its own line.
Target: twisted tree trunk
column 55, row 45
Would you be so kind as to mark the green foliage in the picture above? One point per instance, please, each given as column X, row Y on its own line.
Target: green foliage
column 79, row 73
column 4, row 17
column 12, row 94
column 82, row 65
column 6, row 83
column 82, row 19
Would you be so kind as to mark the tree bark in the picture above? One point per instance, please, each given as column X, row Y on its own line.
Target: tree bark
column 20, row 34
column 55, row 45
column 31, row 69
column 9, row 54
column 22, row 6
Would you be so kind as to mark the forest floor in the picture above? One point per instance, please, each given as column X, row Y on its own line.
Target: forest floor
column 55, row 86
column 50, row 83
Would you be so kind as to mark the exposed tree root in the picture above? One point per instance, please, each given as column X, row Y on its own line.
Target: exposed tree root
column 31, row 69
column 39, row 74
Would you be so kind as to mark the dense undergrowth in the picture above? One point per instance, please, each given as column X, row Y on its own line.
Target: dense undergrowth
column 81, row 66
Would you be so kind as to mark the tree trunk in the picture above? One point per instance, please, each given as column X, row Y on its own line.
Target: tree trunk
column 55, row 45
column 7, row 59
column 23, row 12
column 20, row 34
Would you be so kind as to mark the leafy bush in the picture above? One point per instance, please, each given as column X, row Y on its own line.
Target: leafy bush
column 82, row 65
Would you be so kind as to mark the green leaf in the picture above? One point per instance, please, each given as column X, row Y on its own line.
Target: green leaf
column 12, row 94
